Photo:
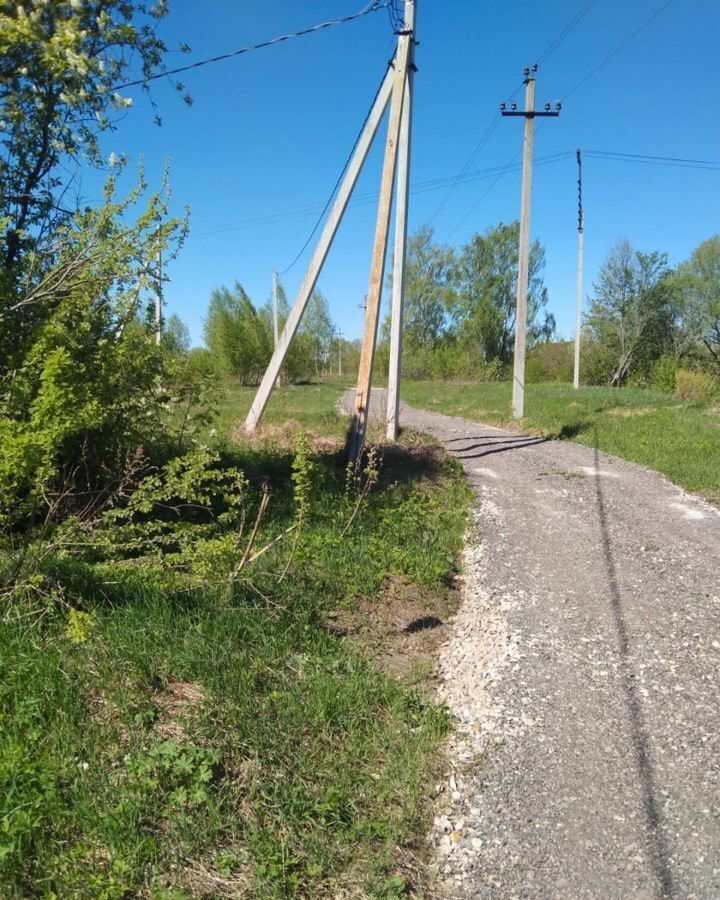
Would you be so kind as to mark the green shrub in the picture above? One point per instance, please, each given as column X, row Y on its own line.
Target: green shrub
column 550, row 362
column 664, row 374
column 696, row 388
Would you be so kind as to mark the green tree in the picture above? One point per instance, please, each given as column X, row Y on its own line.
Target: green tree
column 235, row 335
column 486, row 278
column 632, row 316
column 698, row 281
column 317, row 333
column 60, row 63
column 429, row 291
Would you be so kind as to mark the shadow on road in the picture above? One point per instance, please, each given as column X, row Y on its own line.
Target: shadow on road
column 490, row 445
column 657, row 842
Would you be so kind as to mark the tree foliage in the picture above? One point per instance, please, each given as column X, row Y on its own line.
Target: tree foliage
column 60, row 64
column 632, row 316
column 698, row 281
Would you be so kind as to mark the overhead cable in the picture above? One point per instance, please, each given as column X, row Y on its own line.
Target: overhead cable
column 374, row 6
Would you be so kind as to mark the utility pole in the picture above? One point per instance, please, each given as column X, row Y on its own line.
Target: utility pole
column 400, row 246
column 530, row 114
column 358, row 425
column 158, row 298
column 275, row 307
column 339, row 340
column 576, row 375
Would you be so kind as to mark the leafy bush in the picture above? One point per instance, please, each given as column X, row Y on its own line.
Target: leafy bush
column 80, row 392
column 696, row 388
column 552, row 361
column 664, row 374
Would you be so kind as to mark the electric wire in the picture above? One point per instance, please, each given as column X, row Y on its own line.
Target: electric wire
column 556, row 41
column 572, row 90
column 339, row 180
column 559, row 38
column 302, row 210
column 374, row 6
column 617, row 50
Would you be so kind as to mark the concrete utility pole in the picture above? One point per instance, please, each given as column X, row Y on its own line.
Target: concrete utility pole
column 339, row 340
column 275, row 307
column 530, row 114
column 321, row 251
column 400, row 248
column 358, row 426
column 576, row 375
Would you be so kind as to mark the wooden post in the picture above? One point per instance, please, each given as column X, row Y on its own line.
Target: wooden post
column 581, row 226
column 518, row 391
column 400, row 247
column 320, row 254
column 358, row 426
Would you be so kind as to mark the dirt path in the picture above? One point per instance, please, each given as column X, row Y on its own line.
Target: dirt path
column 584, row 672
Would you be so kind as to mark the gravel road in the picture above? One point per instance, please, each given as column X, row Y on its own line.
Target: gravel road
column 583, row 670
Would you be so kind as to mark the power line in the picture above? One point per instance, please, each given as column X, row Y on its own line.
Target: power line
column 374, row 6
column 673, row 161
column 302, row 210
column 620, row 47
column 339, row 180
column 552, row 46
column 579, row 84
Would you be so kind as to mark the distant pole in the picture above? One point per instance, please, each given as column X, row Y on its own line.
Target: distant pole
column 158, row 298
column 339, row 339
column 275, row 307
column 401, row 218
column 576, row 376
column 530, row 114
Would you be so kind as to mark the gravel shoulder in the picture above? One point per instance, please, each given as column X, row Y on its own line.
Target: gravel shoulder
column 582, row 669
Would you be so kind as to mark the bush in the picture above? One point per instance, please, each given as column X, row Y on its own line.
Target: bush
column 696, row 388
column 552, row 361
column 664, row 374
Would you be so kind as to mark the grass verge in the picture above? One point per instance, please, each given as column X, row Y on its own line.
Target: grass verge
column 647, row 427
column 225, row 740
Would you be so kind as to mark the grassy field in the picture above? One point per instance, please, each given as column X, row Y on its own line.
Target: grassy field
column 646, row 427
column 223, row 740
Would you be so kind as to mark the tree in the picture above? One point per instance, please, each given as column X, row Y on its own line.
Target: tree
column 235, row 335
column 698, row 282
column 486, row 278
column 60, row 63
column 317, row 333
column 175, row 336
column 632, row 314
column 429, row 292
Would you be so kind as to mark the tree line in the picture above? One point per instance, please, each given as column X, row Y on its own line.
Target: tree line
column 643, row 318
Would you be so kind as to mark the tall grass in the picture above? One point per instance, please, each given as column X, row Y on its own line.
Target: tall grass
column 224, row 742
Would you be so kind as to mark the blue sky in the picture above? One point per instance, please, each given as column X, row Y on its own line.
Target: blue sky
column 259, row 150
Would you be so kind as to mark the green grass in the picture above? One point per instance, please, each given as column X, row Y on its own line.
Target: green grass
column 644, row 426
column 177, row 743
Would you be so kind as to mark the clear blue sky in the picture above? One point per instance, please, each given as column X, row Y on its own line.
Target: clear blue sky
column 271, row 130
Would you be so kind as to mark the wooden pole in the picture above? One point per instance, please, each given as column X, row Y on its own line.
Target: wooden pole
column 320, row 254
column 578, row 313
column 518, row 392
column 401, row 218
column 358, row 426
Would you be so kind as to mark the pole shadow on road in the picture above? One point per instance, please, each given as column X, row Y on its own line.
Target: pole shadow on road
column 658, row 848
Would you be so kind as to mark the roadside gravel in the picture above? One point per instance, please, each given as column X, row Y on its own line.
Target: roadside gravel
column 583, row 672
